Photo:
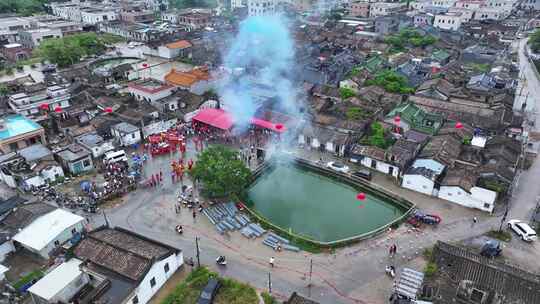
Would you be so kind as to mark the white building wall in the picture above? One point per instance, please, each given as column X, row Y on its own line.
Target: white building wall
column 6, row 249
column 478, row 198
column 418, row 183
column 142, row 95
column 61, row 238
column 380, row 166
column 71, row 289
column 447, row 22
column 52, row 173
column 261, row 7
column 145, row 291
column 130, row 139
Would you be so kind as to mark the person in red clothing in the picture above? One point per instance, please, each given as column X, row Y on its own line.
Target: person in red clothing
column 190, row 164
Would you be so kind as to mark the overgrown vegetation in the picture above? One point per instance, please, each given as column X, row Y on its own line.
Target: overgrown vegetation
column 493, row 185
column 268, row 299
column 502, row 235
column 378, row 137
column 346, row 93
column 408, row 37
column 34, row 275
column 355, row 113
column 181, row 4
column 231, row 291
column 22, row 7
column 478, row 67
column 391, row 82
column 221, row 171
column 534, row 41
column 430, row 269
column 70, row 49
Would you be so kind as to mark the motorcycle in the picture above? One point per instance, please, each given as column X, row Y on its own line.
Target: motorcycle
column 221, row 260
column 179, row 229
column 391, row 271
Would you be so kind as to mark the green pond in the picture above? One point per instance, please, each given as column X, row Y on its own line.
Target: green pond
column 316, row 206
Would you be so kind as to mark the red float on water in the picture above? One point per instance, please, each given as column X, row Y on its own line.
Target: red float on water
column 108, row 110
column 459, row 125
column 58, row 109
column 361, row 196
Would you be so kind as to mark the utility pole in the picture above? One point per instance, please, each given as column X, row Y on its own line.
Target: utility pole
column 269, row 283
column 198, row 252
column 310, row 271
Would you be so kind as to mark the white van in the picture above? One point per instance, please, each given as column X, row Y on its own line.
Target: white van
column 115, row 156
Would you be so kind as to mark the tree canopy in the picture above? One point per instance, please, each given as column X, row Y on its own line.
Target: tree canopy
column 377, row 136
column 192, row 3
column 69, row 50
column 391, row 82
column 221, row 171
column 409, row 37
column 534, row 41
column 22, row 7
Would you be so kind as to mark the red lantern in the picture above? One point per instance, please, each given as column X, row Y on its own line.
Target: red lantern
column 459, row 125
column 397, row 119
column 361, row 196
column 108, row 110
column 44, row 107
column 279, row 126
column 58, row 109
column 145, row 65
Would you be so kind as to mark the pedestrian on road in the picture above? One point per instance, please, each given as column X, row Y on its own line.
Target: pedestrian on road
column 272, row 262
column 474, row 221
column 194, row 214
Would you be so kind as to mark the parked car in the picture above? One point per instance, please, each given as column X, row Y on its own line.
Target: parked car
column 523, row 230
column 209, row 292
column 339, row 167
column 491, row 249
column 365, row 174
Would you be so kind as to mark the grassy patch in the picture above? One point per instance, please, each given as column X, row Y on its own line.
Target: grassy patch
column 34, row 275
column 428, row 254
column 231, row 291
column 504, row 236
column 268, row 299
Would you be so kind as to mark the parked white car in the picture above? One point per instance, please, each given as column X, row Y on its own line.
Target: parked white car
column 523, row 230
column 339, row 167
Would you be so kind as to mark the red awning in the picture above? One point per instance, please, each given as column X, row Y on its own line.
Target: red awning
column 267, row 125
column 215, row 118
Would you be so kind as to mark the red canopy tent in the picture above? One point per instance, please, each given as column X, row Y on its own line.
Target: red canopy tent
column 215, row 118
column 267, row 125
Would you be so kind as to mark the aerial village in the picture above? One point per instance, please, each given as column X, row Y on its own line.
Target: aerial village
column 265, row 151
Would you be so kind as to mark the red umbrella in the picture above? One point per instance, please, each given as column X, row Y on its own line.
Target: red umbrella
column 44, row 107
column 58, row 109
column 459, row 125
column 108, row 110
column 361, row 196
column 397, row 119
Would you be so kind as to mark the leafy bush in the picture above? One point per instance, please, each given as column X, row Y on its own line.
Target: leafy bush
column 69, row 50
column 34, row 275
column 377, row 136
column 534, row 41
column 268, row 299
column 430, row 269
column 409, row 37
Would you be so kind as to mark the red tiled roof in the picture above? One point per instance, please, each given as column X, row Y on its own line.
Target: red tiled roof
column 187, row 79
column 216, row 118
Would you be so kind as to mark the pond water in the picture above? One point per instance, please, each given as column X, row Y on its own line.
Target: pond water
column 317, row 206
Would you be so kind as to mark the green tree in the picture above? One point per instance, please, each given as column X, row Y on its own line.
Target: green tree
column 69, row 50
column 346, row 93
column 391, row 82
column 221, row 171
column 354, row 113
column 22, row 7
column 534, row 41
column 377, row 136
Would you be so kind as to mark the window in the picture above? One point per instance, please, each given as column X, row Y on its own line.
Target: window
column 73, row 231
column 86, row 163
column 486, row 205
column 133, row 135
column 57, row 243
column 424, row 186
column 152, row 282
column 166, row 267
column 135, row 300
